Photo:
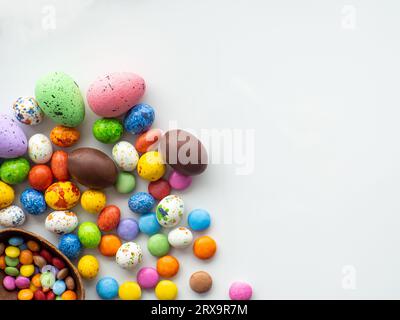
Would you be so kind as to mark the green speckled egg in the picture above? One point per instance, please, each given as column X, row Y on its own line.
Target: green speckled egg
column 60, row 99
column 14, row 171
column 107, row 130
column 89, row 234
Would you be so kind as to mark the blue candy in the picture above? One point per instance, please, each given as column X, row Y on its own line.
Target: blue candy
column 59, row 287
column 148, row 224
column 33, row 201
column 199, row 220
column 139, row 119
column 70, row 245
column 107, row 288
column 15, row 241
column 141, row 202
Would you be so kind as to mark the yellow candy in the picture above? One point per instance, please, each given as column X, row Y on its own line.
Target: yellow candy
column 62, row 195
column 27, row 270
column 6, row 195
column 130, row 290
column 93, row 201
column 12, row 252
column 166, row 290
column 151, row 166
column 33, row 288
column 88, row 266
column 25, row 294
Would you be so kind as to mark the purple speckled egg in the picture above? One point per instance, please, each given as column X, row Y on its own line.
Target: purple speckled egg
column 128, row 229
column 178, row 181
column 13, row 141
column 22, row 282
column 9, row 283
column 147, row 277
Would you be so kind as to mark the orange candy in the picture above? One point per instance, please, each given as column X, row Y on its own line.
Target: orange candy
column 147, row 141
column 68, row 295
column 59, row 165
column 204, row 247
column 25, row 294
column 167, row 266
column 40, row 177
column 109, row 245
column 36, row 280
column 64, row 136
column 3, row 262
column 33, row 246
column 26, row 257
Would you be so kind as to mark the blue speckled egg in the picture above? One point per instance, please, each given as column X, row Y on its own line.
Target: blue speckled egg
column 70, row 245
column 27, row 111
column 148, row 224
column 33, row 201
column 139, row 119
column 141, row 202
column 107, row 288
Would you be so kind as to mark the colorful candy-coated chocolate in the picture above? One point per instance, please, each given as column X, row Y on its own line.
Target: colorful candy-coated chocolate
column 109, row 245
column 204, row 247
column 39, row 148
column 158, row 245
column 46, row 255
column 9, row 283
column 88, row 267
column 147, row 277
column 167, row 266
column 107, row 288
column 69, row 295
column 70, row 245
column 151, row 166
column 141, row 202
column 130, row 290
column 27, row 270
column 126, row 182
column 59, row 165
column 109, row 218
column 166, row 290
column 15, row 241
column 64, row 136
column 199, row 220
column 128, row 229
column 93, row 201
column 240, row 291
column 139, row 119
column 22, row 282
column 27, row 111
column 107, row 130
column 148, row 140
column 25, row 294
column 26, row 257
column 159, row 189
column 148, row 223
column 59, row 287
column 89, row 234
column 40, row 177
column 178, row 181
column 7, row 195
column 33, row 246
column 33, row 201
column 14, row 171
column 200, row 282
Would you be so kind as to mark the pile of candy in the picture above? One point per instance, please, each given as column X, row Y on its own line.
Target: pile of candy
column 54, row 176
column 34, row 272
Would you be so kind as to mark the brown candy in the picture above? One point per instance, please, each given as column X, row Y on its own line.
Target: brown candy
column 200, row 282
column 92, row 168
column 2, row 248
column 62, row 274
column 184, row 152
column 70, row 283
column 39, row 261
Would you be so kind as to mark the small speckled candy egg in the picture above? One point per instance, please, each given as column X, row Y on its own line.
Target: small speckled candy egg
column 12, row 139
column 27, row 111
column 129, row 255
column 88, row 267
column 89, row 234
column 125, row 156
column 6, row 195
column 170, row 211
column 12, row 216
column 13, row 171
column 141, row 202
column 62, row 195
column 139, row 119
column 93, row 201
column 64, row 136
column 39, row 148
column 180, row 237
column 33, row 201
column 107, row 130
column 151, row 166
column 61, row 222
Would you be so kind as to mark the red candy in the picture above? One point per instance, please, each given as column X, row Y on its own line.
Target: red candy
column 159, row 189
column 50, row 295
column 108, row 218
column 39, row 295
column 59, row 165
column 46, row 255
column 40, row 177
column 58, row 263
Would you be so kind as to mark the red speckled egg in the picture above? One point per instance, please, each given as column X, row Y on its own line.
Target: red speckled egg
column 108, row 218
column 59, row 165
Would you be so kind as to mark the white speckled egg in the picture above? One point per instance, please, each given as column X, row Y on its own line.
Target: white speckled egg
column 180, row 237
column 125, row 156
column 39, row 148
column 169, row 211
column 12, row 216
column 27, row 111
column 129, row 255
column 61, row 222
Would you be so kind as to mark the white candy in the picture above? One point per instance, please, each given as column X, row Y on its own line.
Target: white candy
column 12, row 216
column 129, row 255
column 125, row 156
column 61, row 222
column 180, row 237
column 27, row 111
column 39, row 148
column 169, row 211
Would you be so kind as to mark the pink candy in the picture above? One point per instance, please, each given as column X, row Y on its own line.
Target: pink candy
column 179, row 181
column 147, row 277
column 240, row 291
column 9, row 283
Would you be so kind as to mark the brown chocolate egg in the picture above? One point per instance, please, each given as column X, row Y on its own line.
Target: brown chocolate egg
column 92, row 168
column 183, row 152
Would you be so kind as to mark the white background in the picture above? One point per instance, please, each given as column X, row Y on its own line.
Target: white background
column 319, row 215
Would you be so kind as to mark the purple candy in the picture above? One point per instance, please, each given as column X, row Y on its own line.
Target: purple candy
column 13, row 141
column 9, row 283
column 147, row 277
column 178, row 181
column 128, row 229
column 240, row 291
column 49, row 267
column 22, row 282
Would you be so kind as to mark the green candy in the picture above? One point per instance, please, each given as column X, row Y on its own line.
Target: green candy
column 60, row 99
column 14, row 171
column 11, row 271
column 107, row 130
column 158, row 245
column 89, row 234
column 11, row 262
column 125, row 182
column 47, row 279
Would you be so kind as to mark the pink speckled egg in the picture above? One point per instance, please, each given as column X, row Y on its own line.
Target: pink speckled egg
column 240, row 291
column 115, row 93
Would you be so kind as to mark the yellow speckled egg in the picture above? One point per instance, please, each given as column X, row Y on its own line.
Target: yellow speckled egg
column 151, row 166
column 88, row 267
column 93, row 201
column 62, row 195
column 6, row 195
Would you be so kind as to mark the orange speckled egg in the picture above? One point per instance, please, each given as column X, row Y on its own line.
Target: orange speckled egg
column 59, row 165
column 64, row 136
column 62, row 195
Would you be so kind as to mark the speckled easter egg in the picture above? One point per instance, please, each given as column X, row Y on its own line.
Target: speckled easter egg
column 180, row 237
column 129, row 255
column 148, row 140
column 62, row 195
column 139, row 119
column 141, row 202
column 59, row 165
column 64, row 136
column 170, row 211
column 125, row 156
column 12, row 216
column 13, row 171
column 108, row 218
column 6, row 195
column 114, row 94
column 107, row 130
column 39, row 148
column 93, row 201
column 89, row 234
column 60, row 99
column 61, row 222
column 33, row 201
column 88, row 267
column 151, row 166
column 27, row 111
column 13, row 142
